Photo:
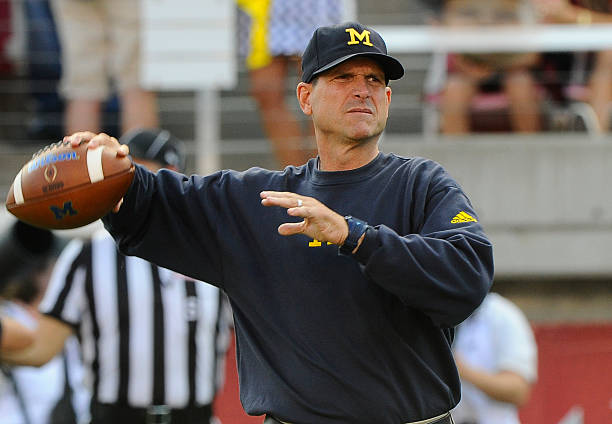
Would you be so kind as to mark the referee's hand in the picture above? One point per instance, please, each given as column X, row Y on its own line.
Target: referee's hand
column 96, row 140
column 320, row 222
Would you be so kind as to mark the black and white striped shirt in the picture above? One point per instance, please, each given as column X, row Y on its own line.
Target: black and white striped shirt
column 148, row 335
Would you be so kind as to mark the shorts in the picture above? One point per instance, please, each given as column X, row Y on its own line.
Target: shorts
column 100, row 45
column 268, row 28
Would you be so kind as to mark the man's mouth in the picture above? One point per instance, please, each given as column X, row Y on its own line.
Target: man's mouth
column 360, row 110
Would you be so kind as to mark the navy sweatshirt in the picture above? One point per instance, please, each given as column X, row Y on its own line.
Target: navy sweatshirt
column 322, row 337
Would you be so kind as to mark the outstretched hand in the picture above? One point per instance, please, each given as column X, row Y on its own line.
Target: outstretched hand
column 96, row 140
column 320, row 222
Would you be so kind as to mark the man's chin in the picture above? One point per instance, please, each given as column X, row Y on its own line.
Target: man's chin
column 365, row 136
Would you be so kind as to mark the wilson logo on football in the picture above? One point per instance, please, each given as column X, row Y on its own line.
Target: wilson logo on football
column 51, row 158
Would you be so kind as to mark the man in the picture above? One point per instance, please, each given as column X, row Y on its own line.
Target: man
column 363, row 336
column 497, row 358
column 153, row 340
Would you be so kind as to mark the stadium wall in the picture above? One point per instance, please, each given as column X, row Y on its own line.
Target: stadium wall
column 544, row 200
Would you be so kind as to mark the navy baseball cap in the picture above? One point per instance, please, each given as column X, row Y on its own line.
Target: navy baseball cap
column 156, row 145
column 332, row 45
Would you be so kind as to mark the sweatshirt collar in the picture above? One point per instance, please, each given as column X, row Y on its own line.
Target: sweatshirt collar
column 319, row 177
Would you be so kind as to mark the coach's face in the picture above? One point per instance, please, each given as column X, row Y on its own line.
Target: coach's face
column 349, row 102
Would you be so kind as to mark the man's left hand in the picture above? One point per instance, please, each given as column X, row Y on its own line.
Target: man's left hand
column 320, row 222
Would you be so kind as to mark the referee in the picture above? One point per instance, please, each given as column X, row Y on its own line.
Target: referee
column 153, row 341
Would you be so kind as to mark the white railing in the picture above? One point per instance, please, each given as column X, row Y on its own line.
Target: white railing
column 425, row 38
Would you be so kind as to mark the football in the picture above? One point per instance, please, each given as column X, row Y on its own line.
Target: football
column 63, row 187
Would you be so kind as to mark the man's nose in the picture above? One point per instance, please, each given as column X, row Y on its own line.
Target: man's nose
column 360, row 87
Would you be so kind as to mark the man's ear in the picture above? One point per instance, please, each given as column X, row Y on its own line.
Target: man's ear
column 303, row 91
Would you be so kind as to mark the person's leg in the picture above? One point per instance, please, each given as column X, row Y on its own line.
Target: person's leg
column 81, row 30
column 600, row 87
column 268, row 88
column 455, row 104
column 139, row 107
column 44, row 71
column 521, row 89
column 82, row 115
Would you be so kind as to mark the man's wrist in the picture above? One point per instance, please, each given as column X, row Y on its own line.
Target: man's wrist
column 356, row 233
column 360, row 241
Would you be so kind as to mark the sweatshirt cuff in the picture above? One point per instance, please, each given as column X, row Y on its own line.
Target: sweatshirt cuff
column 370, row 243
column 112, row 219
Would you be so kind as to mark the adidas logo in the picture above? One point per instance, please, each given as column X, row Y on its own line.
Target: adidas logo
column 463, row 217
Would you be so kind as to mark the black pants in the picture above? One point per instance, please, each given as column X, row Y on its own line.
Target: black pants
column 102, row 413
column 444, row 420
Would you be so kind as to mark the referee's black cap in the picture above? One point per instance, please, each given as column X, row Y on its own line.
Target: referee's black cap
column 24, row 250
column 156, row 145
column 332, row 45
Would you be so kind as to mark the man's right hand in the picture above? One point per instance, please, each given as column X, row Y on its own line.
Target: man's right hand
column 96, row 140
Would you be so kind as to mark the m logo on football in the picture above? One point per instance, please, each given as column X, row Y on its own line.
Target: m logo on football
column 67, row 209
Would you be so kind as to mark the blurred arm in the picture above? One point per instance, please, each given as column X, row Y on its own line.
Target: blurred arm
column 503, row 386
column 48, row 341
column 14, row 336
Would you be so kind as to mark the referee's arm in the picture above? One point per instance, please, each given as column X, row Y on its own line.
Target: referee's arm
column 49, row 339
column 14, row 336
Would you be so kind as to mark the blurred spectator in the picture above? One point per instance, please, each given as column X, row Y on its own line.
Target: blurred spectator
column 5, row 35
column 100, row 42
column 585, row 12
column 496, row 356
column 53, row 393
column 470, row 74
column 43, row 71
column 277, row 32
column 153, row 341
